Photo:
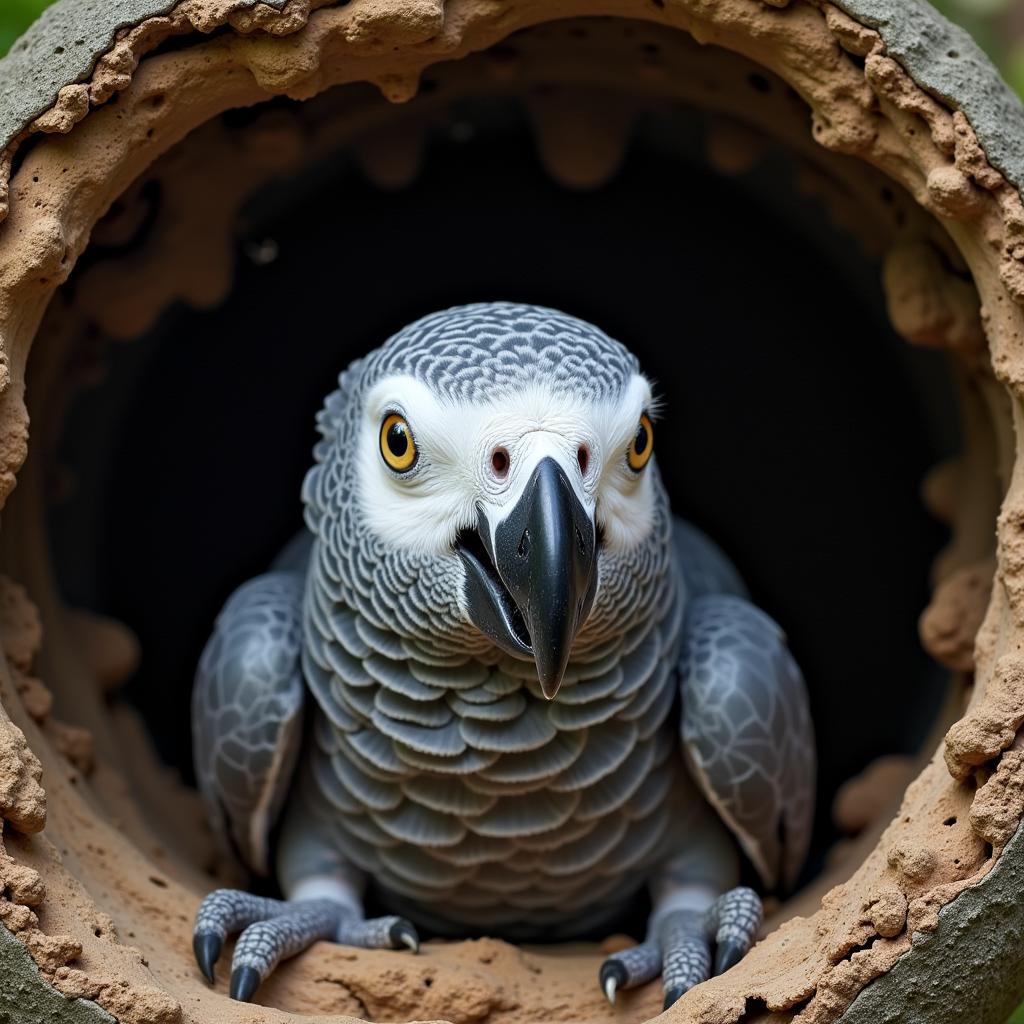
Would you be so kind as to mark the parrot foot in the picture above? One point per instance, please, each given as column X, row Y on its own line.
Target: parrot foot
column 273, row 930
column 680, row 947
column 735, row 917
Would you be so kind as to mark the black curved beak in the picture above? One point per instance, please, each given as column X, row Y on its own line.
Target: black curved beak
column 539, row 587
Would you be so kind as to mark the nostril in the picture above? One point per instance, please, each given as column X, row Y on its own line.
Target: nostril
column 524, row 544
column 499, row 462
column 583, row 458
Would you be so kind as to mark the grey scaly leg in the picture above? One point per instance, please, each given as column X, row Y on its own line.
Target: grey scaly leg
column 685, row 937
column 678, row 946
column 629, row 968
column 273, row 930
column 735, row 919
column 697, row 910
column 325, row 901
column 685, row 952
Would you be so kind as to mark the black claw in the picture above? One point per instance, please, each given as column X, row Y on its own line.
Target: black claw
column 244, row 981
column 728, row 955
column 612, row 969
column 206, row 946
column 403, row 933
column 672, row 995
column 613, row 978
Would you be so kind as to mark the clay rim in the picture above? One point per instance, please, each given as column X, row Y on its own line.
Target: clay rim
column 966, row 750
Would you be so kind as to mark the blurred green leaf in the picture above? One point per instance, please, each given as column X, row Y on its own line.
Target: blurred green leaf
column 981, row 8
column 1013, row 71
column 15, row 17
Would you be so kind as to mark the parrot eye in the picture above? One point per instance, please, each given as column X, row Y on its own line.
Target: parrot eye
column 397, row 445
column 642, row 445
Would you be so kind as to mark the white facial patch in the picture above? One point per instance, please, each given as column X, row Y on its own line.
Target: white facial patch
column 456, row 472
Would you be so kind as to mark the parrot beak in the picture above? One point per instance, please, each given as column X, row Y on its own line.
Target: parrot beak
column 540, row 585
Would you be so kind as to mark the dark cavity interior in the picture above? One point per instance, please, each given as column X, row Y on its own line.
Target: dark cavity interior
column 796, row 427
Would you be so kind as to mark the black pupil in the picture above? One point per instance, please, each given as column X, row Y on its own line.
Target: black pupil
column 398, row 440
column 640, row 444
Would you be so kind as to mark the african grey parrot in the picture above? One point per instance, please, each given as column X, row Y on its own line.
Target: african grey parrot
column 497, row 679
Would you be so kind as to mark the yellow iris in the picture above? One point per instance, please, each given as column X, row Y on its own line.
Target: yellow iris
column 642, row 446
column 396, row 443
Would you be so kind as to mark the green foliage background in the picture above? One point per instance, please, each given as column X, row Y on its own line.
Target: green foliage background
column 998, row 25
column 15, row 17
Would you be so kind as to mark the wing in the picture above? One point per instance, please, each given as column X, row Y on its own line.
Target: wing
column 705, row 567
column 247, row 712
column 747, row 733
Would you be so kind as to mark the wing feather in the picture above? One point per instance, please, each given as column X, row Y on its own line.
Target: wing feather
column 247, row 712
column 705, row 567
column 747, row 732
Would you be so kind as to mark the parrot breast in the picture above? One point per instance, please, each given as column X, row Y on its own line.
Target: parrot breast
column 472, row 800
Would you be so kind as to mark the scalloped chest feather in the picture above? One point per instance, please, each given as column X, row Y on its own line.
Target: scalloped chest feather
column 469, row 798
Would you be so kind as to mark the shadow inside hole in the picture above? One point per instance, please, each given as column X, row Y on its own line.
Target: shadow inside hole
column 796, row 426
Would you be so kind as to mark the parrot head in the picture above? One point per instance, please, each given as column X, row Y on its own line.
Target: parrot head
column 486, row 482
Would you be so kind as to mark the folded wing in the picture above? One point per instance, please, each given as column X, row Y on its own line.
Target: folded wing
column 747, row 733
column 247, row 712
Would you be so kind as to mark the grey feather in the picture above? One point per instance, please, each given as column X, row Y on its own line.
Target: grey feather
column 321, row 683
column 656, row 714
column 606, row 748
column 247, row 706
column 747, row 732
column 375, row 748
column 502, row 709
column 456, row 677
column 377, row 639
column 395, row 675
column 450, row 795
column 593, row 688
column 349, row 670
column 436, row 763
column 582, row 716
column 421, row 869
column 706, row 569
column 641, row 840
column 420, row 825
column 366, row 829
column 539, row 765
column 474, row 850
column 445, row 741
column 341, row 624
column 580, row 855
column 612, row 792
column 512, row 787
column 466, row 763
column 432, row 713
column 531, row 730
column 651, row 793
column 555, row 839
column 526, row 814
column 369, row 792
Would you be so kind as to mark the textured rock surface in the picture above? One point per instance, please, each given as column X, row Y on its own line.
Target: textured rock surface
column 943, row 59
column 964, row 963
column 868, row 107
column 26, row 998
column 62, row 47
